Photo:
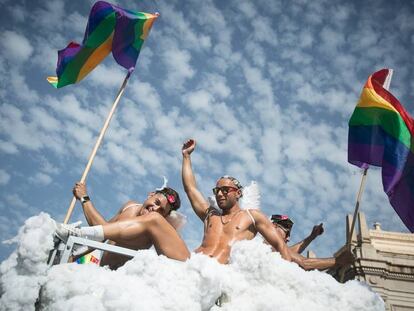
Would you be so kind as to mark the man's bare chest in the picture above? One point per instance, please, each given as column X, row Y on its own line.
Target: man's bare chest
column 221, row 225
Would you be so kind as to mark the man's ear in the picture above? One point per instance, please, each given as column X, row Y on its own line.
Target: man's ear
column 239, row 194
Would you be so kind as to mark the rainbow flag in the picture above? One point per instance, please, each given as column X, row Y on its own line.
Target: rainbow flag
column 88, row 258
column 381, row 133
column 110, row 28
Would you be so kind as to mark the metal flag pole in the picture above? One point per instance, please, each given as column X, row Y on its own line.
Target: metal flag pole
column 386, row 86
column 98, row 142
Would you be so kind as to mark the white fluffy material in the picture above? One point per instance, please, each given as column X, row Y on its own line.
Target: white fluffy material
column 255, row 279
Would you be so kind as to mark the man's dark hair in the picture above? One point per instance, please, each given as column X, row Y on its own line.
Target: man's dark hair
column 172, row 197
column 283, row 221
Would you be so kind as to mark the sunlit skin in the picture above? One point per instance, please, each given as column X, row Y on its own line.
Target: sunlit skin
column 221, row 231
column 314, row 263
column 136, row 226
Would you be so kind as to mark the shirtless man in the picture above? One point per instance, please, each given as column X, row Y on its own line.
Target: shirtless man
column 283, row 225
column 135, row 226
column 221, row 230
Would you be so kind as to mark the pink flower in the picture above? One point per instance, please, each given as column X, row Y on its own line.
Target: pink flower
column 170, row 198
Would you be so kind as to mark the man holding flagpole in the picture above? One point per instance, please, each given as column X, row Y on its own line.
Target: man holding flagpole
column 135, row 226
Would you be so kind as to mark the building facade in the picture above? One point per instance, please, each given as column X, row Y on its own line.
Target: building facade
column 384, row 260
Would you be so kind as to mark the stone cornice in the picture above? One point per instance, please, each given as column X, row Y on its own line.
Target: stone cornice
column 362, row 270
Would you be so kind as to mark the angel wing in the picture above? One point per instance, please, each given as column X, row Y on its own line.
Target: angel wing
column 250, row 199
column 251, row 196
column 177, row 220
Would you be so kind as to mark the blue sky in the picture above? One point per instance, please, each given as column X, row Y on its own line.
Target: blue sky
column 265, row 87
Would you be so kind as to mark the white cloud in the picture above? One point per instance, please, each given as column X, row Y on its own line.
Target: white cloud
column 332, row 40
column 217, row 85
column 256, row 53
column 178, row 66
column 16, row 47
column 40, row 179
column 20, row 132
column 263, row 31
column 50, row 13
column 8, row 147
column 16, row 201
column 76, row 23
column 18, row 12
column 107, row 76
column 248, row 9
column 69, row 107
column 145, row 93
column 199, row 100
column 183, row 30
column 4, row 177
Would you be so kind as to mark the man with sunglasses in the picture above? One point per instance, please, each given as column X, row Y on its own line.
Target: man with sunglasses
column 284, row 225
column 135, row 226
column 222, row 229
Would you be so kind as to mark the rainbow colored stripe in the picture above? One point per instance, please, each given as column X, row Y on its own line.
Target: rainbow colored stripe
column 381, row 133
column 88, row 258
column 110, row 28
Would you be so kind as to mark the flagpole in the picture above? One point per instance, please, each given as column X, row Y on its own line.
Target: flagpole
column 98, row 142
column 386, row 86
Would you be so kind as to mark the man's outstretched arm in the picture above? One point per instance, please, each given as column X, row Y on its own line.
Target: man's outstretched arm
column 323, row 263
column 198, row 202
column 265, row 227
column 300, row 246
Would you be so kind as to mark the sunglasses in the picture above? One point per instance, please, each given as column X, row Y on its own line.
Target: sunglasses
column 224, row 190
column 287, row 231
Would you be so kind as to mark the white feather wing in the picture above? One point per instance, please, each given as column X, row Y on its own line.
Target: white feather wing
column 251, row 196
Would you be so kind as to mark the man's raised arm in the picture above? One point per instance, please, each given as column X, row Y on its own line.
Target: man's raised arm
column 267, row 230
column 198, row 202
column 300, row 246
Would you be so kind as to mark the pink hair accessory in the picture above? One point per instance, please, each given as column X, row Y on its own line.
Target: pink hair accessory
column 170, row 198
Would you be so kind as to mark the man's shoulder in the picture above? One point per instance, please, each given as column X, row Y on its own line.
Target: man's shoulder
column 211, row 212
column 254, row 213
column 130, row 204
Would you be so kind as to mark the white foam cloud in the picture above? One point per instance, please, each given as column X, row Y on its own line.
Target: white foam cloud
column 255, row 279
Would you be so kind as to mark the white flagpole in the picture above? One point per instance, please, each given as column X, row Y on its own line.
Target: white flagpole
column 98, row 142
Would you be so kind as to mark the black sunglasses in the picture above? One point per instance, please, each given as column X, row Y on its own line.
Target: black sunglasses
column 224, row 190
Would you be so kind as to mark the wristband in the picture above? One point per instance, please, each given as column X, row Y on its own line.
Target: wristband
column 84, row 199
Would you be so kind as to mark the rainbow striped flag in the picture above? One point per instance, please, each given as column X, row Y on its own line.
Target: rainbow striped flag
column 88, row 258
column 381, row 133
column 110, row 28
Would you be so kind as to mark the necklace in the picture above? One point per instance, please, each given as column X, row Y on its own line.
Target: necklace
column 225, row 223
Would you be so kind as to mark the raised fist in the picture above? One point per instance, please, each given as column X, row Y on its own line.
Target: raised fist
column 317, row 230
column 188, row 147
